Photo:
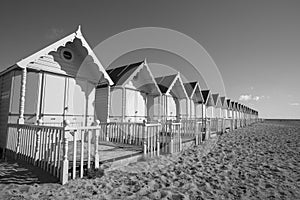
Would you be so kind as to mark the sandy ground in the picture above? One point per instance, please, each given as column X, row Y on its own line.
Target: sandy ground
column 258, row 162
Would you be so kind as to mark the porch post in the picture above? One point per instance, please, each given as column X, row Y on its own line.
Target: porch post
column 203, row 125
column 159, row 109
column 22, row 96
column 108, row 104
column 123, row 104
column 187, row 108
column 21, row 108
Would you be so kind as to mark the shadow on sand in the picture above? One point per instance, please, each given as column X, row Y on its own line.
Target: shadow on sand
column 17, row 172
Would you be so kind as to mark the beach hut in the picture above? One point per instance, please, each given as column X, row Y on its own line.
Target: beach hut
column 244, row 115
column 240, row 114
column 210, row 107
column 229, row 121
column 174, row 100
column 210, row 112
column 192, row 126
column 233, row 108
column 195, row 100
column 131, row 97
column 224, row 107
column 54, row 84
column 207, row 103
column 247, row 115
column 218, row 106
column 217, row 112
column 224, row 111
column 230, row 111
column 237, row 116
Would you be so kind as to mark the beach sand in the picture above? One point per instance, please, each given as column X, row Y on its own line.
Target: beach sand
column 261, row 161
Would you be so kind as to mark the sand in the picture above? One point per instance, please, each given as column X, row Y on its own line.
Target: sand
column 258, row 162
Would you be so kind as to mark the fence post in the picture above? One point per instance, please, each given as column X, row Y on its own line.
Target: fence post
column 97, row 133
column 171, row 137
column 18, row 142
column 223, row 125
column 158, row 139
column 129, row 133
column 209, row 128
column 180, row 139
column 106, row 130
column 144, row 138
column 37, row 145
column 196, row 133
column 65, row 161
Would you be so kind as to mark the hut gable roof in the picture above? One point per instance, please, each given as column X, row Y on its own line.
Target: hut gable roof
column 139, row 73
column 165, row 82
column 216, row 100
column 44, row 59
column 223, row 102
column 207, row 97
column 189, row 88
column 233, row 105
column 229, row 104
column 172, row 85
column 120, row 75
column 239, row 106
column 193, row 91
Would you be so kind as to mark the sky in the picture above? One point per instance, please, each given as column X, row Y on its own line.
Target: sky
column 255, row 44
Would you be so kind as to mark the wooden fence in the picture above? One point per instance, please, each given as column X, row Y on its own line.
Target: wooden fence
column 65, row 152
column 60, row 150
column 38, row 145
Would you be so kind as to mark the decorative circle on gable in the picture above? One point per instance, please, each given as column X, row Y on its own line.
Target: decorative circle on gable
column 67, row 54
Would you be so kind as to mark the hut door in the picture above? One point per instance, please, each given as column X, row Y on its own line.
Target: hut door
column 53, row 100
column 79, row 106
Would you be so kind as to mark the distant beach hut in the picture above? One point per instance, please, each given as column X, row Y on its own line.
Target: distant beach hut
column 229, row 121
column 174, row 99
column 210, row 107
column 224, row 107
column 218, row 117
column 239, row 114
column 237, row 117
column 218, row 106
column 206, row 111
column 210, row 114
column 234, row 117
column 131, row 98
column 229, row 108
column 243, row 115
column 247, row 115
column 208, row 104
column 224, row 112
column 195, row 100
column 54, row 84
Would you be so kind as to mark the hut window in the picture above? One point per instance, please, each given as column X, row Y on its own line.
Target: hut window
column 67, row 54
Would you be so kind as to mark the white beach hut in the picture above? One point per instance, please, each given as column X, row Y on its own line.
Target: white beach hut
column 131, row 98
column 218, row 106
column 195, row 100
column 224, row 107
column 174, row 99
column 54, row 84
